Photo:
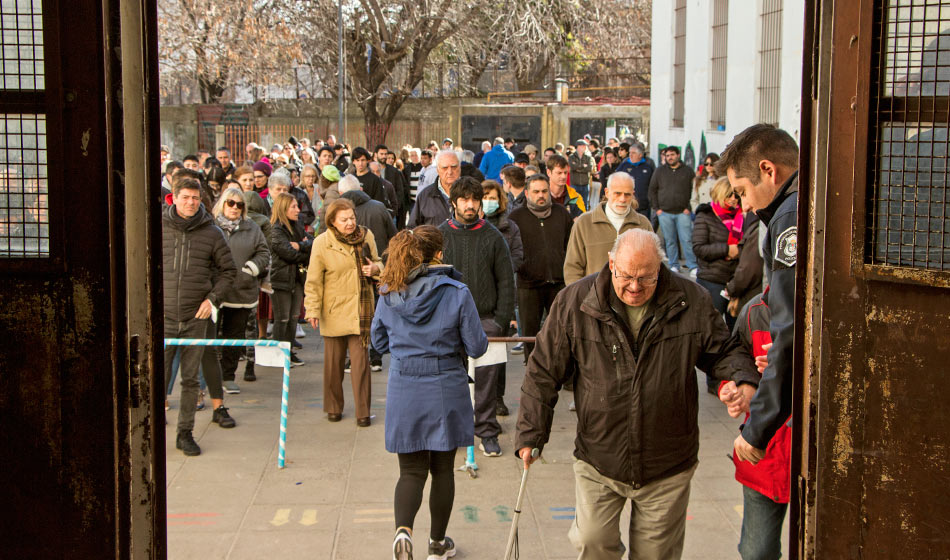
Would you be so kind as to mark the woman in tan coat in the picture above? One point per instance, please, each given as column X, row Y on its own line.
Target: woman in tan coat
column 339, row 294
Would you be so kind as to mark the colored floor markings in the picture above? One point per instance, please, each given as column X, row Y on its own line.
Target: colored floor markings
column 738, row 509
column 562, row 517
column 567, row 515
column 373, row 516
column 561, row 509
column 281, row 517
column 309, row 517
column 503, row 513
column 469, row 513
column 182, row 515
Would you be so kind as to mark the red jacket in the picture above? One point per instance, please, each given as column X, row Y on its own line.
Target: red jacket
column 771, row 477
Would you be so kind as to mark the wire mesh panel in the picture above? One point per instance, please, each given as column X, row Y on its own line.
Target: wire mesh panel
column 717, row 65
column 679, row 63
column 24, row 194
column 908, row 223
column 770, row 62
column 21, row 45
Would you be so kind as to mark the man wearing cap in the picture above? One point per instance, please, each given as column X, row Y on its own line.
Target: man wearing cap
column 495, row 160
column 582, row 165
column 670, row 190
column 447, row 144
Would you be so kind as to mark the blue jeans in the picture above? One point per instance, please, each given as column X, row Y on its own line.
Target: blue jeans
column 678, row 226
column 584, row 191
column 761, row 527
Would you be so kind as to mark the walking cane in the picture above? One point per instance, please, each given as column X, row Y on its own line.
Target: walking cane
column 512, row 547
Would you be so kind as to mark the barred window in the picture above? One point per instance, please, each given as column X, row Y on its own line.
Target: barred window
column 717, row 65
column 24, row 194
column 908, row 223
column 770, row 62
column 679, row 63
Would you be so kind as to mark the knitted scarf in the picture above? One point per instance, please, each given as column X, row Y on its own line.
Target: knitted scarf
column 227, row 225
column 356, row 240
column 540, row 211
column 731, row 218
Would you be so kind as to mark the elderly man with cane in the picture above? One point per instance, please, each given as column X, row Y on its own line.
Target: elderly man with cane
column 631, row 336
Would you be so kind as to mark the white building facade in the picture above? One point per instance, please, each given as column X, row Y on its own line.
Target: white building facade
column 719, row 66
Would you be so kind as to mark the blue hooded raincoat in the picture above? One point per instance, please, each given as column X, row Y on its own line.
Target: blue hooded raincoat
column 430, row 328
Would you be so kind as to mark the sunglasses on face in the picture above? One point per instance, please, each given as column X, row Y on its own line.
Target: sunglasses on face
column 232, row 203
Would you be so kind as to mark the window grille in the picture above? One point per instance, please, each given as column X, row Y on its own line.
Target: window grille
column 770, row 62
column 717, row 65
column 24, row 189
column 908, row 224
column 679, row 63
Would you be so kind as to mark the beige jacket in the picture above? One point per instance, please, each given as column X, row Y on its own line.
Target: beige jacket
column 332, row 290
column 592, row 238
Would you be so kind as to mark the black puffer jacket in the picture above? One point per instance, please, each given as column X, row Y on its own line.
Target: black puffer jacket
column 512, row 236
column 636, row 407
column 251, row 259
column 431, row 208
column 287, row 263
column 710, row 244
column 197, row 263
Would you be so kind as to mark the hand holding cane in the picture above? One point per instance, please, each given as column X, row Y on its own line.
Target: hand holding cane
column 512, row 546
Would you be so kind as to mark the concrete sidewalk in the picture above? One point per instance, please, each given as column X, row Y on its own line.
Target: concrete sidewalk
column 334, row 499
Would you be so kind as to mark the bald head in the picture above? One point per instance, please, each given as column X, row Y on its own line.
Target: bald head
column 635, row 262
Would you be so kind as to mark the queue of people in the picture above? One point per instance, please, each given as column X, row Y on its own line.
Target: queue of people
column 426, row 253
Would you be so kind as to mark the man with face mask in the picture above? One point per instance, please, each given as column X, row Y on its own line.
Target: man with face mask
column 479, row 251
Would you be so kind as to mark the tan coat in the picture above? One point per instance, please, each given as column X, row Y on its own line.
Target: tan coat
column 592, row 238
column 332, row 290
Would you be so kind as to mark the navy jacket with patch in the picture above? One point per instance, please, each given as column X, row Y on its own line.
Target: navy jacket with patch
column 772, row 403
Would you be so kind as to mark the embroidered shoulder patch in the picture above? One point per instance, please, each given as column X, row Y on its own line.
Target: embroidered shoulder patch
column 786, row 247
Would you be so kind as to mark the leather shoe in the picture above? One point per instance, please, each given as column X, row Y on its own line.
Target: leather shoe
column 363, row 422
column 334, row 417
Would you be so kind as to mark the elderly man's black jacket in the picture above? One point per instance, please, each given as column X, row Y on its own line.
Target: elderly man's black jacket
column 636, row 410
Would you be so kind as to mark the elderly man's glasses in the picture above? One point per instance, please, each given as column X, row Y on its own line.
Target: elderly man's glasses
column 640, row 280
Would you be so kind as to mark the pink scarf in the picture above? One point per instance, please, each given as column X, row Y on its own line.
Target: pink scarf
column 731, row 218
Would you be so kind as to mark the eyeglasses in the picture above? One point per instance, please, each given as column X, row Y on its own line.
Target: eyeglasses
column 641, row 280
column 232, row 203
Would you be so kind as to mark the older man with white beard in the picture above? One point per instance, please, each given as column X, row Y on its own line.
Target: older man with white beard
column 595, row 232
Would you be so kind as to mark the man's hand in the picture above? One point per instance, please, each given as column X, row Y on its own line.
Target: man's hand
column 525, row 454
column 761, row 362
column 314, row 322
column 745, row 452
column 736, row 399
column 658, row 212
column 733, row 252
column 686, row 212
column 295, row 245
column 204, row 311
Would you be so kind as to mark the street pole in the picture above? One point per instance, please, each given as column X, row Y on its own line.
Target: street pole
column 342, row 128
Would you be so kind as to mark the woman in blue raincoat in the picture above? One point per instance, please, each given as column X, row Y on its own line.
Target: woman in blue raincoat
column 426, row 318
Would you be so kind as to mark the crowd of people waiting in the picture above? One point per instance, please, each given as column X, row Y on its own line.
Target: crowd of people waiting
column 315, row 233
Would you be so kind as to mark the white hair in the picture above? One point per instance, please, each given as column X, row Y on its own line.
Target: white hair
column 443, row 153
column 468, row 156
column 486, row 144
column 636, row 241
column 499, row 140
column 416, row 151
column 280, row 177
column 349, row 183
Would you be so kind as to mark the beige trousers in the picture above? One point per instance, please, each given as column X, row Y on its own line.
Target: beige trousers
column 657, row 515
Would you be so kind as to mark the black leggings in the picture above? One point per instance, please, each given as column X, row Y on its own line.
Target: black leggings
column 414, row 468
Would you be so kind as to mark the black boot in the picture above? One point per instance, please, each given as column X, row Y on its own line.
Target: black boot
column 249, row 372
column 187, row 444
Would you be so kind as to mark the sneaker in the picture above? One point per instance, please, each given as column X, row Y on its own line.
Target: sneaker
column 518, row 348
column 201, row 401
column 402, row 545
column 296, row 345
column 675, row 269
column 270, row 329
column 441, row 550
column 572, row 407
column 295, row 361
column 300, row 333
column 693, row 273
column 186, row 442
column 249, row 372
column 346, row 367
column 231, row 388
column 490, row 447
column 222, row 418
column 376, row 367
column 500, row 408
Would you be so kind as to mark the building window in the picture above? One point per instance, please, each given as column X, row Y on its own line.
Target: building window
column 908, row 219
column 717, row 65
column 679, row 63
column 24, row 194
column 770, row 62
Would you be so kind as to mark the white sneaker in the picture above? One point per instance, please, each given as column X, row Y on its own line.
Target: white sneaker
column 300, row 333
column 693, row 273
column 270, row 329
column 402, row 546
